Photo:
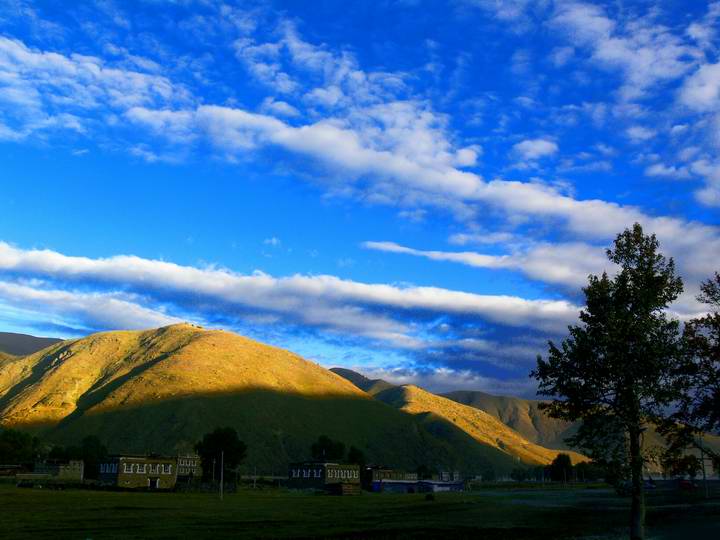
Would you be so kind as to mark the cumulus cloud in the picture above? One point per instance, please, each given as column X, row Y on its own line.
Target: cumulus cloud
column 535, row 148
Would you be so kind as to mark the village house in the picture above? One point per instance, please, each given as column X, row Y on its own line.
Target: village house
column 189, row 469
column 139, row 472
column 53, row 473
column 331, row 477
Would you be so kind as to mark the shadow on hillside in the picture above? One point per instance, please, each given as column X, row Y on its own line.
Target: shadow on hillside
column 279, row 427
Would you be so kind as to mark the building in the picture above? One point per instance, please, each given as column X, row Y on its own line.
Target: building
column 189, row 468
column 53, row 473
column 70, row 471
column 331, row 477
column 382, row 479
column 139, row 472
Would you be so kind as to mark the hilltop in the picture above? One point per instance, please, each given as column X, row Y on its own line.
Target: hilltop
column 23, row 344
column 161, row 390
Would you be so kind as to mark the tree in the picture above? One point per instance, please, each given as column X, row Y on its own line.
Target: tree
column 619, row 369
column 561, row 469
column 520, row 474
column 221, row 445
column 699, row 409
column 356, row 456
column 326, row 449
column 92, row 452
column 18, row 447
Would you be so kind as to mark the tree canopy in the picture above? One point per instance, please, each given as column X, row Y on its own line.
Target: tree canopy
column 326, row 449
column 222, row 444
column 619, row 370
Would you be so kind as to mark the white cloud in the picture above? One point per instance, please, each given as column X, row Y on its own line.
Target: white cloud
column 639, row 134
column 535, row 148
column 567, row 265
column 701, row 91
column 644, row 52
column 316, row 301
column 669, row 171
column 95, row 311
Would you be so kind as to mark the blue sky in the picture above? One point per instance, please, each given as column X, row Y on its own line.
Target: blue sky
column 414, row 189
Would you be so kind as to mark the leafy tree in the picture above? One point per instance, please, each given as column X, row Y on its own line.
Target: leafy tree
column 618, row 371
column 326, row 449
column 223, row 444
column 93, row 452
column 18, row 447
column 589, row 471
column 423, row 472
column 699, row 409
column 561, row 469
column 357, row 456
column 520, row 474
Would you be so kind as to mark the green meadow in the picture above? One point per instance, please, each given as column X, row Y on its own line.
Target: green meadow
column 275, row 513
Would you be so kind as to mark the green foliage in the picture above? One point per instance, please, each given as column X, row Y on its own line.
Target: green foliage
column 220, row 446
column 326, row 449
column 18, row 447
column 356, row 456
column 561, row 469
column 620, row 369
column 699, row 409
column 91, row 451
column 423, row 472
column 521, row 474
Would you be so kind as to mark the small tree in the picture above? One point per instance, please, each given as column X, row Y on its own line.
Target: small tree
column 223, row 444
column 561, row 469
column 699, row 410
column 356, row 456
column 93, row 452
column 326, row 449
column 618, row 371
column 18, row 447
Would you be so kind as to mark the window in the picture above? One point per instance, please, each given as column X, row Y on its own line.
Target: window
column 141, row 468
column 127, row 468
column 102, row 468
column 114, row 467
column 167, row 468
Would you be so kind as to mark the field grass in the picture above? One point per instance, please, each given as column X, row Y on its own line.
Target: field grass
column 274, row 513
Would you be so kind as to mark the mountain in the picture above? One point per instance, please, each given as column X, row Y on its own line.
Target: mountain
column 22, row 344
column 481, row 426
column 523, row 415
column 371, row 386
column 161, row 390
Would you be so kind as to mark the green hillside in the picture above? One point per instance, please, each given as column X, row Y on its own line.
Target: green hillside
column 161, row 390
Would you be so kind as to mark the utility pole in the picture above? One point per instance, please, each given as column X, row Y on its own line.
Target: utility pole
column 222, row 473
column 213, row 476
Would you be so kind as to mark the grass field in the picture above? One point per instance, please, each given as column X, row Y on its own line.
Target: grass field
column 272, row 513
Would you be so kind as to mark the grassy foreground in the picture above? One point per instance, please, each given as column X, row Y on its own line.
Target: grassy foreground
column 492, row 514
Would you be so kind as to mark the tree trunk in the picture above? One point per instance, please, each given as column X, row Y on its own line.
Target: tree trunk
column 637, row 509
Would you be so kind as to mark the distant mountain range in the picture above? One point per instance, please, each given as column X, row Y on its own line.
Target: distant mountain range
column 23, row 344
column 161, row 390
